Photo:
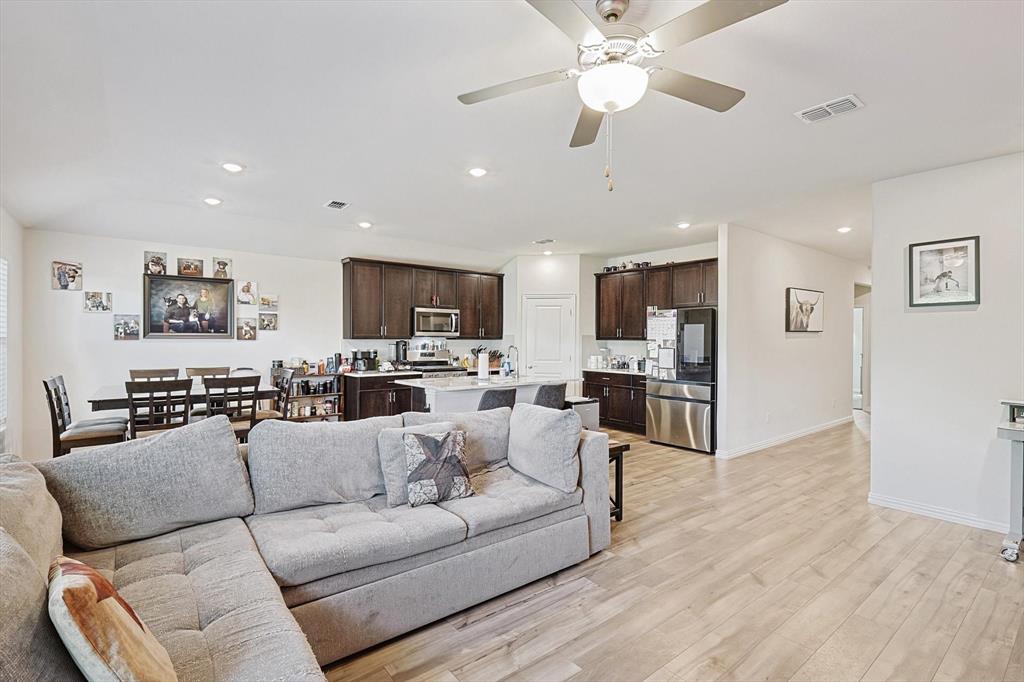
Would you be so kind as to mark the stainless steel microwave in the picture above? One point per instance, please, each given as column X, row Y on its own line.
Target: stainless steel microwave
column 435, row 322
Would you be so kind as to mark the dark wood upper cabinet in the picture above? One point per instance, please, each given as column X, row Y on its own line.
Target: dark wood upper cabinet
column 609, row 306
column 687, row 284
column 633, row 315
column 469, row 306
column 363, row 298
column 398, row 302
column 423, row 283
column 710, row 282
column 490, row 306
column 378, row 298
column 658, row 287
column 445, row 288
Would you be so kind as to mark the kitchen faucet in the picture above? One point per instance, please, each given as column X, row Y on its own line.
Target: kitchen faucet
column 515, row 371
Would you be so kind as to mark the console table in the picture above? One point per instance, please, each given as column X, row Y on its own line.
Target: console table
column 1013, row 431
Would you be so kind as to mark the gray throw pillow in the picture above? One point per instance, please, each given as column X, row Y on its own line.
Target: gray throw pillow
column 437, row 467
column 391, row 448
column 486, row 434
column 111, row 494
column 543, row 443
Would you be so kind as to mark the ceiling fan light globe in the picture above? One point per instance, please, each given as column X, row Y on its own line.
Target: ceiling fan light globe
column 612, row 87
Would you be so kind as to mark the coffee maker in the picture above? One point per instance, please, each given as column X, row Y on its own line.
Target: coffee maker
column 401, row 352
column 364, row 360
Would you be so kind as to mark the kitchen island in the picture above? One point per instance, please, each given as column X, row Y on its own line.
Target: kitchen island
column 462, row 394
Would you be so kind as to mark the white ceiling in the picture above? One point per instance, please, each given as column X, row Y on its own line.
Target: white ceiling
column 115, row 117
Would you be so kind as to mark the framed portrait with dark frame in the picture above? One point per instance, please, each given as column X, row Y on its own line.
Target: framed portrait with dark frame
column 188, row 307
column 945, row 272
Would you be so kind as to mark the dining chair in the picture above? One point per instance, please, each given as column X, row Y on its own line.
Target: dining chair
column 497, row 397
column 235, row 397
column 202, row 373
column 153, row 374
column 281, row 377
column 550, row 395
column 155, row 406
column 68, row 434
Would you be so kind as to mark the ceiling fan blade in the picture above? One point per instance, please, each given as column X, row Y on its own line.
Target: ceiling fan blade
column 568, row 17
column 516, row 85
column 704, row 19
column 693, row 89
column 587, row 127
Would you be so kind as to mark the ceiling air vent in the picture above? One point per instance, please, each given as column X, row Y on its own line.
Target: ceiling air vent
column 337, row 205
column 831, row 109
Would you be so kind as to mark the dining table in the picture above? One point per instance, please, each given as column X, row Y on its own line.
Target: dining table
column 115, row 396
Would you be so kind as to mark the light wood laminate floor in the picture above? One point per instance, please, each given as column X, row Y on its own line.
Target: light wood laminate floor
column 771, row 566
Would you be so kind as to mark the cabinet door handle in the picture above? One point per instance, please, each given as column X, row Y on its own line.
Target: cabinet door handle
column 382, row 330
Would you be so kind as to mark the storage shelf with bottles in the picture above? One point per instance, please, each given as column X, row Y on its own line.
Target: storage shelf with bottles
column 316, row 397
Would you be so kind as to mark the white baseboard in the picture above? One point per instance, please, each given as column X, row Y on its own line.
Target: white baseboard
column 942, row 513
column 779, row 440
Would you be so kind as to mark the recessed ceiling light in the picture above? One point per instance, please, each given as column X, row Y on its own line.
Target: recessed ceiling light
column 547, row 253
column 212, row 201
column 366, row 225
column 844, row 229
column 477, row 172
column 232, row 167
column 682, row 226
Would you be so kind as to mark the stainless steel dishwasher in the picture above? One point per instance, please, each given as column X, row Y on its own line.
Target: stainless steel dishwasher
column 681, row 414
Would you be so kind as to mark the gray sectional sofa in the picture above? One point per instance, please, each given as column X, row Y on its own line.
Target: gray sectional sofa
column 271, row 568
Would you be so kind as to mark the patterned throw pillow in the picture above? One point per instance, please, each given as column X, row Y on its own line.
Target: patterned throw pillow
column 103, row 634
column 437, row 467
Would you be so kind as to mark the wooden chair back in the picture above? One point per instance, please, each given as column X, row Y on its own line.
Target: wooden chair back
column 157, row 405
column 282, row 380
column 153, row 374
column 234, row 397
column 60, row 411
column 204, row 372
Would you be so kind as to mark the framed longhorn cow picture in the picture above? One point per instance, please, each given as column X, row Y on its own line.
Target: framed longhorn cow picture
column 805, row 310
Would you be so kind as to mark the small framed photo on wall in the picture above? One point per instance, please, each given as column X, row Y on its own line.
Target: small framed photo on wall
column 805, row 310
column 946, row 272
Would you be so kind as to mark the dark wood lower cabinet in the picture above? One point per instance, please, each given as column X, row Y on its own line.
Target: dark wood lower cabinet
column 621, row 399
column 376, row 396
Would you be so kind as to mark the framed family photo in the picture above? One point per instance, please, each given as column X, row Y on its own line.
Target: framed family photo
column 66, row 275
column 946, row 272
column 805, row 310
column 188, row 307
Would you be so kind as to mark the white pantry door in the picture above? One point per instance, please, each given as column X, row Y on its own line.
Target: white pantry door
column 550, row 334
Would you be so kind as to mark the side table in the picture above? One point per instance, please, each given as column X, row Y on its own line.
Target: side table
column 615, row 452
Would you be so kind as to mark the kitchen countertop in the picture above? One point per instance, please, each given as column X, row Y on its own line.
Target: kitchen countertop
column 473, row 383
column 396, row 373
column 616, row 371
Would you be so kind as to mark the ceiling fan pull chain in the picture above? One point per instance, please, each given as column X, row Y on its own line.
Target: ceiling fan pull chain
column 608, row 152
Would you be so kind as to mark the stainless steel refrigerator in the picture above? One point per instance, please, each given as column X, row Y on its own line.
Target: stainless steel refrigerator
column 681, row 368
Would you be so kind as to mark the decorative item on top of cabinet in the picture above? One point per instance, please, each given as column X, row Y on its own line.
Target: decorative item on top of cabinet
column 378, row 298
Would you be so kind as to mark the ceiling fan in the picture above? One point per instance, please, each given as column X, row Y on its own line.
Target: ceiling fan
column 610, row 75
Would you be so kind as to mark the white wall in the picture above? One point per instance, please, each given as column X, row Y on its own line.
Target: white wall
column 61, row 339
column 939, row 373
column 12, row 248
column 774, row 385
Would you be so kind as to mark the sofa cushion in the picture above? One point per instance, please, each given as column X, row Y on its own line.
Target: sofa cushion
column 30, row 649
column 437, row 467
column 391, row 449
column 100, row 629
column 206, row 594
column 505, row 497
column 544, row 443
column 304, row 464
column 28, row 512
column 486, row 434
column 142, row 488
column 306, row 544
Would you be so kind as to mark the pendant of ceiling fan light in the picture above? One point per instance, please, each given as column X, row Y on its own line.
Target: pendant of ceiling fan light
column 615, row 86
